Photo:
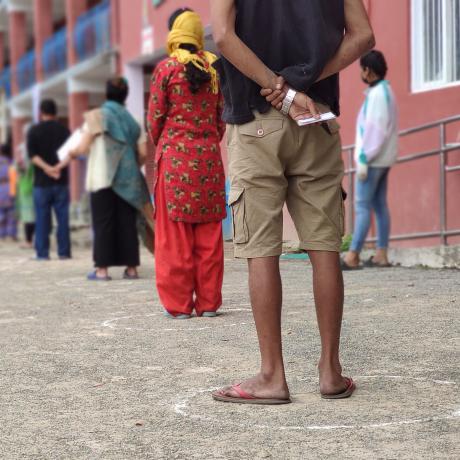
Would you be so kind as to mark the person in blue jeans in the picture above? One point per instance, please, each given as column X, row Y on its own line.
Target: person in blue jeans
column 51, row 185
column 376, row 152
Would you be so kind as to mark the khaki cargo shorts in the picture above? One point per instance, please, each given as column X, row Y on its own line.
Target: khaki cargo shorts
column 273, row 161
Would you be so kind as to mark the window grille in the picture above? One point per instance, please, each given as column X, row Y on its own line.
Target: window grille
column 435, row 44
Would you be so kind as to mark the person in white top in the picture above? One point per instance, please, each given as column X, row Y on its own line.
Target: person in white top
column 375, row 153
column 120, row 201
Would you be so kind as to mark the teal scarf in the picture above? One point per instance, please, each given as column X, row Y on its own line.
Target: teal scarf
column 121, row 137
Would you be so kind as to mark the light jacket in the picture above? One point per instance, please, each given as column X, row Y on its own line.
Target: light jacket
column 377, row 128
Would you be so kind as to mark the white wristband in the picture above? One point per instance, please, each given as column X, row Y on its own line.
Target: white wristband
column 288, row 101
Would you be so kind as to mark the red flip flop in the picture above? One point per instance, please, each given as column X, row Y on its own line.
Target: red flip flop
column 246, row 398
column 351, row 387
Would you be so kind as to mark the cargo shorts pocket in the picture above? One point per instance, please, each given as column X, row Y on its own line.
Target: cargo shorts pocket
column 332, row 127
column 237, row 204
column 261, row 129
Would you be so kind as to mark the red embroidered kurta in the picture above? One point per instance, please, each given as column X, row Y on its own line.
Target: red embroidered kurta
column 187, row 129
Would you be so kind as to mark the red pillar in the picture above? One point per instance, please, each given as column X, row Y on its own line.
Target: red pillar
column 43, row 25
column 74, row 8
column 78, row 102
column 18, row 46
column 115, row 31
column 78, row 105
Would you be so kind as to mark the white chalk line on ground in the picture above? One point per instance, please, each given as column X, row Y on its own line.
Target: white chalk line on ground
column 117, row 285
column 113, row 323
column 396, row 377
column 182, row 406
column 17, row 320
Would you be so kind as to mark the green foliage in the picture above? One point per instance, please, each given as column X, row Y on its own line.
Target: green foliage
column 346, row 243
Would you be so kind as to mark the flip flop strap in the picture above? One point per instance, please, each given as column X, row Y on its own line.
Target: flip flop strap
column 241, row 393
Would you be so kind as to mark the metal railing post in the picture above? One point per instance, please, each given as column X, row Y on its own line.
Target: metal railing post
column 443, row 152
column 442, row 185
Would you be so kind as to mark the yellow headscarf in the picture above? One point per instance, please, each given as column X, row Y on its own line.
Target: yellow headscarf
column 188, row 28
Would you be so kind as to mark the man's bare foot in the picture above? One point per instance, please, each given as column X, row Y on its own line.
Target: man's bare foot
column 331, row 380
column 260, row 387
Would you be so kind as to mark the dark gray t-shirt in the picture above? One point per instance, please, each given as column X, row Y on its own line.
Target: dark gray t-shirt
column 44, row 141
column 295, row 38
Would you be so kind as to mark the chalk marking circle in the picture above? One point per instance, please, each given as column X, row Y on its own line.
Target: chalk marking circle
column 17, row 320
column 113, row 323
column 117, row 286
column 183, row 405
column 77, row 282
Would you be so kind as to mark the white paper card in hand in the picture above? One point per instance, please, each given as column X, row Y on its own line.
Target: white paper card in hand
column 72, row 142
column 310, row 120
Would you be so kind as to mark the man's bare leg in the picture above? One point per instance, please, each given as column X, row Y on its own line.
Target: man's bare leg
column 328, row 292
column 266, row 299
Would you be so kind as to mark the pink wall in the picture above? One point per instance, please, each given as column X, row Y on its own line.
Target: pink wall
column 131, row 23
column 414, row 187
column 394, row 41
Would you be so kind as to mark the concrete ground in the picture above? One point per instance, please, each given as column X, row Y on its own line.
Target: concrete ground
column 94, row 371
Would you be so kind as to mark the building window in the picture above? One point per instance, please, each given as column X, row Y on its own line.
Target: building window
column 435, row 44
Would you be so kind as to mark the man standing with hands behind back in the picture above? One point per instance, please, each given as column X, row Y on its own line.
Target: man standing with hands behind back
column 51, row 186
column 293, row 51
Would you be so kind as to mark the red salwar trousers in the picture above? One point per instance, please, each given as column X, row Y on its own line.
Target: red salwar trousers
column 189, row 261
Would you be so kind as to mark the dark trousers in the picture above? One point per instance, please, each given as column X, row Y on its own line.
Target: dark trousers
column 115, row 232
column 57, row 198
column 29, row 230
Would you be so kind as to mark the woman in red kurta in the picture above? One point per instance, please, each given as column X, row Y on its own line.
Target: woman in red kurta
column 185, row 125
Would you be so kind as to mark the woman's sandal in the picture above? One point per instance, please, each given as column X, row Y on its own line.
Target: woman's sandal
column 93, row 277
column 246, row 398
column 351, row 387
column 346, row 268
column 127, row 276
column 208, row 314
column 180, row 316
column 371, row 264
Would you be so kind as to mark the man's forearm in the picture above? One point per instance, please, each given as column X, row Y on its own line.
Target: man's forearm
column 351, row 49
column 40, row 163
column 246, row 61
column 358, row 39
column 234, row 49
